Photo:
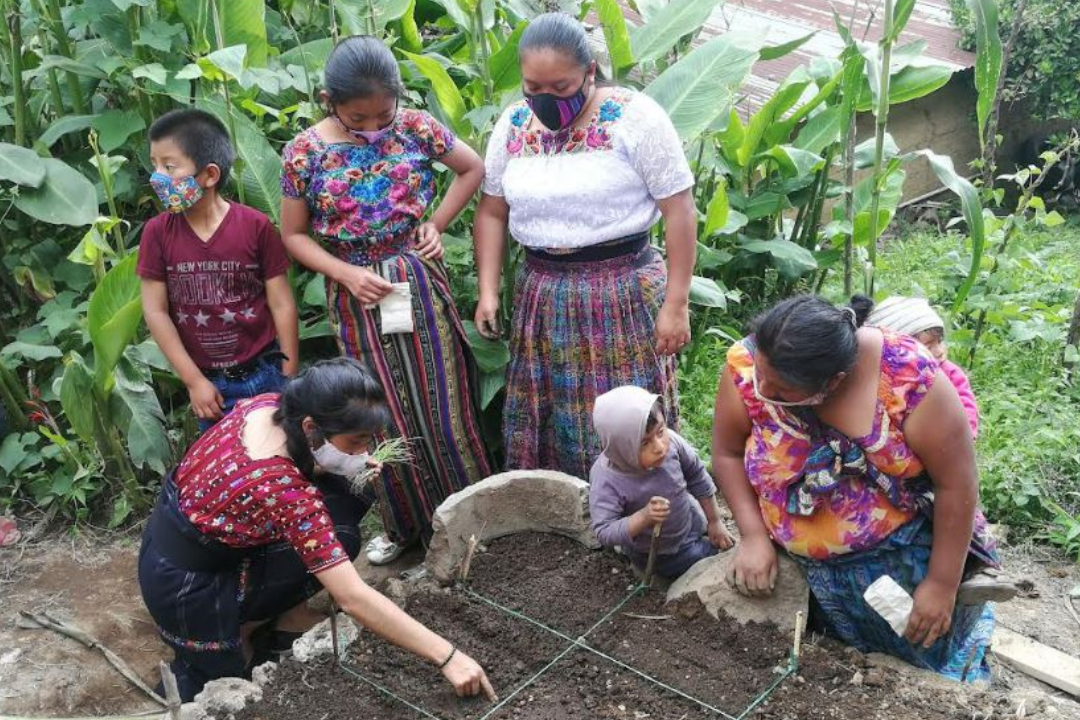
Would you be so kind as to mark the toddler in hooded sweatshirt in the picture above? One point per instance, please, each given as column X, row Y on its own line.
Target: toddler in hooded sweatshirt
column 648, row 474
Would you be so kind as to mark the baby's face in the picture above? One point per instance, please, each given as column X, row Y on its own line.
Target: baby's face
column 938, row 348
column 654, row 448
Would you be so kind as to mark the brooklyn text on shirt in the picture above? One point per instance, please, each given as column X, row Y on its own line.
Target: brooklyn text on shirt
column 190, row 283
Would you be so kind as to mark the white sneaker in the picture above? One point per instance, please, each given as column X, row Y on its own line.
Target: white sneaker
column 381, row 550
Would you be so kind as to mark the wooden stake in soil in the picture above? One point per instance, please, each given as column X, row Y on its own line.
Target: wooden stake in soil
column 172, row 693
column 799, row 622
column 653, row 547
column 470, row 550
column 333, row 631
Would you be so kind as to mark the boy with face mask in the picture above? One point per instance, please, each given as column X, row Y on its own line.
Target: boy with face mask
column 214, row 287
column 648, row 475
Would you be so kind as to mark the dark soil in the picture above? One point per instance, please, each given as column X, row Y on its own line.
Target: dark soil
column 552, row 579
column 720, row 662
column 560, row 583
column 510, row 650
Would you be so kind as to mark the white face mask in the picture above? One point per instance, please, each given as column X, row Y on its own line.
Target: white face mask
column 816, row 399
column 333, row 461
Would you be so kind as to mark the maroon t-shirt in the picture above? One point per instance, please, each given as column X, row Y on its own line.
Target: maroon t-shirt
column 217, row 288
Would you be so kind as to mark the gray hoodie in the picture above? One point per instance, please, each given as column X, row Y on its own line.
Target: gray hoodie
column 619, row 487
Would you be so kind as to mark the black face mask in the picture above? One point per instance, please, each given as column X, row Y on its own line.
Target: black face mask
column 557, row 113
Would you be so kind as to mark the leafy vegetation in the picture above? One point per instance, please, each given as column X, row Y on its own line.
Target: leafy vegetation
column 94, row 414
column 1045, row 60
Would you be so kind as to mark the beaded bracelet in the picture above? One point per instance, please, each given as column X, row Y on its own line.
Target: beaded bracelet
column 453, row 651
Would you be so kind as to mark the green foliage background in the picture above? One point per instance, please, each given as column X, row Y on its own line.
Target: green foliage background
column 95, row 414
column 1044, row 68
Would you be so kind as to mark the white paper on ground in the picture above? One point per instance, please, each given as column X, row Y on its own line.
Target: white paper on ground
column 395, row 310
column 890, row 601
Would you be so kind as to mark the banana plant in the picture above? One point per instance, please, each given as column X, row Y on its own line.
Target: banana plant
column 107, row 398
column 472, row 74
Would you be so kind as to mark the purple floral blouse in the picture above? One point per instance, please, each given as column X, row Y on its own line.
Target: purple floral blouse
column 366, row 200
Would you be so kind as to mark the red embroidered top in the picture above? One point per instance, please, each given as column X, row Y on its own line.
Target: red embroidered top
column 248, row 503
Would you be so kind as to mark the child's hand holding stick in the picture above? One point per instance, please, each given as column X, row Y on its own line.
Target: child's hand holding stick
column 658, row 510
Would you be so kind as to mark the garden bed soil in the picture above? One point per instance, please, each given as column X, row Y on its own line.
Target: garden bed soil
column 91, row 582
column 560, row 583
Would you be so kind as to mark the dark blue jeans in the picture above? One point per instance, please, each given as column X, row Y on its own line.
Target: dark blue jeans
column 266, row 377
column 673, row 565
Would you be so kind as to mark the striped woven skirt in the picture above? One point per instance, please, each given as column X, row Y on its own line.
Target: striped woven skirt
column 430, row 380
column 580, row 328
column 838, row 585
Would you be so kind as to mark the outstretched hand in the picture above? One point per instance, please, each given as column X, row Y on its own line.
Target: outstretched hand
column 468, row 678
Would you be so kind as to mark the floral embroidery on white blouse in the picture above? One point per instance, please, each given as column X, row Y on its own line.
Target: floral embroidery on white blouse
column 582, row 186
column 594, row 136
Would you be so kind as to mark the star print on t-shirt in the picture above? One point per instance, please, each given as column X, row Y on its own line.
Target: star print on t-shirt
column 217, row 288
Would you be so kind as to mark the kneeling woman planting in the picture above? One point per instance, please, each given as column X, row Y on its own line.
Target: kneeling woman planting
column 248, row 527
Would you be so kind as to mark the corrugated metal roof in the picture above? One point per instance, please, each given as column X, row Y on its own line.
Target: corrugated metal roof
column 775, row 22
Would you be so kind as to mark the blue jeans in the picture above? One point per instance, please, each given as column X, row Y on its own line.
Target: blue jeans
column 266, row 377
column 673, row 565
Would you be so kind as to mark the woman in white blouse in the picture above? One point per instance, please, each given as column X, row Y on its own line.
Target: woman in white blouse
column 580, row 172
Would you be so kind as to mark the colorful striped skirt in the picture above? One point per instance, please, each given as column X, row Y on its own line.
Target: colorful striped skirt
column 580, row 328
column 838, row 585
column 430, row 380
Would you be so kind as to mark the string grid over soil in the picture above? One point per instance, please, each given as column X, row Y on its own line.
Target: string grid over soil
column 555, row 581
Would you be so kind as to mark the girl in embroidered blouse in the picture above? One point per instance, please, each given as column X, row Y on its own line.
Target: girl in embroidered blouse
column 580, row 173
column 248, row 527
column 847, row 447
column 357, row 187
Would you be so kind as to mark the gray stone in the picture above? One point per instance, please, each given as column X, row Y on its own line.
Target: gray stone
column 190, row 711
column 708, row 580
column 264, row 674
column 512, row 502
column 397, row 592
column 225, row 696
column 319, row 641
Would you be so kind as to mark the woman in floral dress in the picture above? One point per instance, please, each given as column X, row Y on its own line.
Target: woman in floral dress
column 846, row 446
column 356, row 188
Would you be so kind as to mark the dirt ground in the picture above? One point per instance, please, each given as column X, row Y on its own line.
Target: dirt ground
column 719, row 663
column 90, row 582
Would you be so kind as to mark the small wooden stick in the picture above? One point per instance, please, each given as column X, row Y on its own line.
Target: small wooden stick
column 466, row 561
column 172, row 693
column 44, row 620
column 654, row 545
column 333, row 630
column 799, row 621
column 647, row 617
column 470, row 550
